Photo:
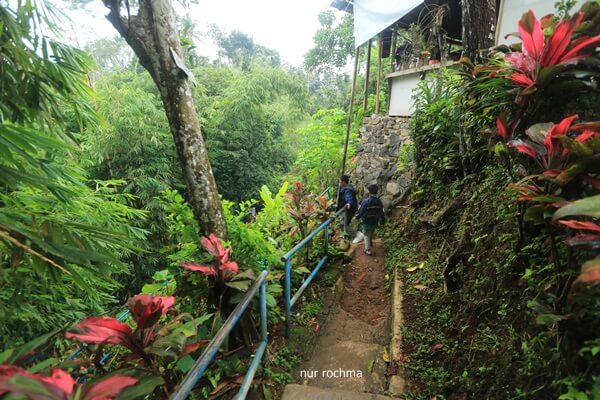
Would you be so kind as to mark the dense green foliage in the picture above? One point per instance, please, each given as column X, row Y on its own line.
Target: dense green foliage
column 62, row 236
column 501, row 291
column 93, row 209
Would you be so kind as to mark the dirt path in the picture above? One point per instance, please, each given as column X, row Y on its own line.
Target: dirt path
column 349, row 353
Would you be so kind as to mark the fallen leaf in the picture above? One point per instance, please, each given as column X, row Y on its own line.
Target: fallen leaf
column 386, row 356
column 413, row 269
column 420, row 287
column 437, row 346
column 361, row 277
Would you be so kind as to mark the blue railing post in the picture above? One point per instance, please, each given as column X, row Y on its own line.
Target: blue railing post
column 288, row 296
column 326, row 244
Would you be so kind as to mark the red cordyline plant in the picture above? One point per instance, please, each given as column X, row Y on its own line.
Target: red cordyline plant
column 223, row 269
column 543, row 58
column 565, row 156
column 150, row 341
column 60, row 385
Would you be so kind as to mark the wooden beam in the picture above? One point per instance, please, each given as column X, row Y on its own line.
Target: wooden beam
column 366, row 94
column 378, row 88
column 350, row 111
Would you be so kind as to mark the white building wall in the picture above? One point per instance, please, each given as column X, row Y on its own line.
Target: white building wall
column 401, row 94
column 512, row 10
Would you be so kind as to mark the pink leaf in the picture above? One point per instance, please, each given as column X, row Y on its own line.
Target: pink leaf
column 581, row 225
column 532, row 35
column 578, row 53
column 147, row 309
column 560, row 39
column 587, row 135
column 190, row 348
column 521, row 80
column 582, row 239
column 109, row 388
column 102, row 330
column 229, row 266
column 502, row 129
column 205, row 269
column 526, row 148
column 211, row 244
column 562, row 128
column 59, row 378
column 590, row 273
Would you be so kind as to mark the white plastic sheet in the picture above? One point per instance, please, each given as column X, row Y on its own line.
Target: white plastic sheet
column 373, row 16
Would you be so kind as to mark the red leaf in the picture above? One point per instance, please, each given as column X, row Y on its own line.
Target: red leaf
column 553, row 172
column 502, row 130
column 526, row 149
column 147, row 309
column 521, row 80
column 212, row 244
column 190, row 348
column 560, row 39
column 532, row 35
column 562, row 128
column 229, row 266
column 207, row 270
column 578, row 53
column 60, row 379
column 109, row 388
column 582, row 239
column 581, row 225
column 102, row 330
column 593, row 182
column 10, row 370
column 6, row 371
column 586, row 135
column 590, row 273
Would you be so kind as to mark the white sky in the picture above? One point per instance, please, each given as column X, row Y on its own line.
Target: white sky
column 283, row 25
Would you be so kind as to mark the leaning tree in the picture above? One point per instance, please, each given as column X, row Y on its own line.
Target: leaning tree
column 149, row 27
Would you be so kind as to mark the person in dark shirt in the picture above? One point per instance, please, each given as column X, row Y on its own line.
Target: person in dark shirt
column 370, row 214
column 347, row 200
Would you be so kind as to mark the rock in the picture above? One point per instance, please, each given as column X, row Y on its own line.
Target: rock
column 393, row 188
column 387, row 201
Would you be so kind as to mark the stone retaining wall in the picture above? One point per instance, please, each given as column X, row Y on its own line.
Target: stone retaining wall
column 377, row 159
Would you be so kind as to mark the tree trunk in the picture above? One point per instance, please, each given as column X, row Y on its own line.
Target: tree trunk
column 152, row 34
column 478, row 26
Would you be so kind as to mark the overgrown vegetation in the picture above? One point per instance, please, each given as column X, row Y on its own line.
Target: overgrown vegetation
column 95, row 217
column 500, row 278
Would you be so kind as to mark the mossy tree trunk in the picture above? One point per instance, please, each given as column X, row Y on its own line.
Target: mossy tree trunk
column 150, row 29
column 478, row 26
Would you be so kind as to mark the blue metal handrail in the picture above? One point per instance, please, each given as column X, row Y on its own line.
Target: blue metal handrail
column 187, row 384
column 287, row 259
column 327, row 192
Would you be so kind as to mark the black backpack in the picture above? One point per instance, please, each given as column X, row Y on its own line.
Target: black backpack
column 373, row 212
column 354, row 206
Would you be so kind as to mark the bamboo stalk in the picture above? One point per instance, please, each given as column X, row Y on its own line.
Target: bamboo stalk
column 366, row 94
column 378, row 87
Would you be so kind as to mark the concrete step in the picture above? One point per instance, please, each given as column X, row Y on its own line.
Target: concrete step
column 347, row 365
column 302, row 392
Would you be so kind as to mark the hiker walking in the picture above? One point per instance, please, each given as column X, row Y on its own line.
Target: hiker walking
column 370, row 215
column 347, row 200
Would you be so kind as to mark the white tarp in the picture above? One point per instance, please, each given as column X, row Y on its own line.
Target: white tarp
column 373, row 16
